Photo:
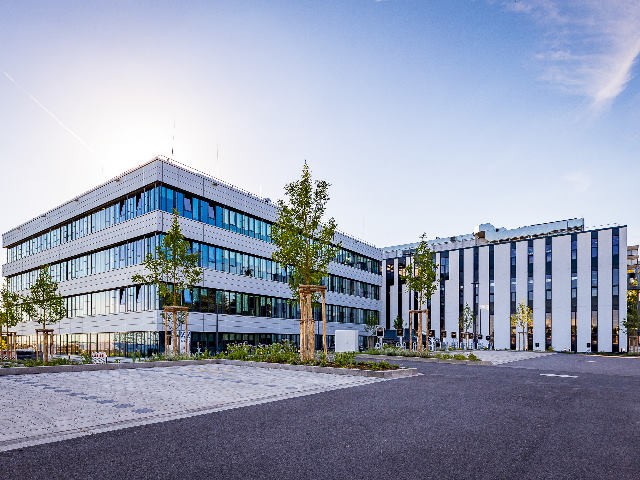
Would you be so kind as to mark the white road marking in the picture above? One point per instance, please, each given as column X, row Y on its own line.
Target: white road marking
column 591, row 361
column 556, row 375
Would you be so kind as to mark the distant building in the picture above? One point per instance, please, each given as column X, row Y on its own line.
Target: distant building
column 572, row 278
column 633, row 266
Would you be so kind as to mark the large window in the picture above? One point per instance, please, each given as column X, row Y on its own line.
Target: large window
column 215, row 258
column 168, row 199
column 135, row 204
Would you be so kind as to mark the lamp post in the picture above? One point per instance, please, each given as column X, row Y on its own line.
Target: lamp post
column 476, row 295
column 482, row 307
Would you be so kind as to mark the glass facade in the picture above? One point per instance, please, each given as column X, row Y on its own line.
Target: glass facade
column 225, row 260
column 167, row 199
column 139, row 298
column 131, row 206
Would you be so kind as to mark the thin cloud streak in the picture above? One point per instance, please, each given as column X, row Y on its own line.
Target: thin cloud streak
column 50, row 113
column 590, row 47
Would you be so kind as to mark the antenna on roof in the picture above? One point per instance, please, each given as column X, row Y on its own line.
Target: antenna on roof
column 173, row 137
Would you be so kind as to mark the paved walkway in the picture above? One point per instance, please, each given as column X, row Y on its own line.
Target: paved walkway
column 500, row 357
column 50, row 407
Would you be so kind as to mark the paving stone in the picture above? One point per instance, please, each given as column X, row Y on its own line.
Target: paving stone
column 50, row 407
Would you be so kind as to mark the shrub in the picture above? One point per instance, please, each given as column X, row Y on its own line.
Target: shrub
column 345, row 359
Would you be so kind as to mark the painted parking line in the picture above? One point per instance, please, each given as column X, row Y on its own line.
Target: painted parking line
column 557, row 375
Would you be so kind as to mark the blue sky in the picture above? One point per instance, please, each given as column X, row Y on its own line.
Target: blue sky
column 425, row 116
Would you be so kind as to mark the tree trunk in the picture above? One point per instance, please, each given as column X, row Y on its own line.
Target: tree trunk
column 187, row 344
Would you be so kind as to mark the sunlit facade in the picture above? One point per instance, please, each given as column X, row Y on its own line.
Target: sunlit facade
column 95, row 243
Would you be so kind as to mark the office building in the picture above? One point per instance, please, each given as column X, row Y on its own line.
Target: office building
column 572, row 277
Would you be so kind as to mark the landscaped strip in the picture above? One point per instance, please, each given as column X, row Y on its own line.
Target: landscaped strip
column 395, row 373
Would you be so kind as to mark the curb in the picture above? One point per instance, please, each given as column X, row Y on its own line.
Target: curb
column 355, row 372
column 387, row 374
column 425, row 360
column 97, row 367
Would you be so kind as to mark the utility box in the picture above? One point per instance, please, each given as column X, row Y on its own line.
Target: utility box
column 346, row 341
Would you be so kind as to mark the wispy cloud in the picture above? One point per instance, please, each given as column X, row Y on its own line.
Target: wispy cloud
column 50, row 113
column 589, row 47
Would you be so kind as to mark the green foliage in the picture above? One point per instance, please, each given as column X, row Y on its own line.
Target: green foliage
column 466, row 318
column 523, row 318
column 400, row 352
column 10, row 308
column 86, row 357
column 345, row 359
column 398, row 323
column 173, row 268
column 43, row 304
column 302, row 239
column 52, row 362
column 631, row 323
column 421, row 275
column 371, row 323
column 286, row 353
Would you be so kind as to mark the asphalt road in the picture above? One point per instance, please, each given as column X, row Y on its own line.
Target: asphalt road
column 455, row 421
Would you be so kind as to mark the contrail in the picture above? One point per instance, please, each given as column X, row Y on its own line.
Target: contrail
column 50, row 113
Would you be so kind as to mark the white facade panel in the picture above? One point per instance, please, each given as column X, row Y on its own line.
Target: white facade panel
column 538, row 293
column 584, row 291
column 521, row 272
column 605, row 292
column 483, row 297
column 468, row 277
column 452, row 297
column 435, row 304
column 502, row 332
column 623, row 288
column 561, row 292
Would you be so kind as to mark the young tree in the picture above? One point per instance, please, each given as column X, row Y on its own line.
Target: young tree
column 10, row 310
column 421, row 276
column 303, row 240
column 631, row 323
column 172, row 269
column 523, row 321
column 465, row 322
column 44, row 305
column 371, row 324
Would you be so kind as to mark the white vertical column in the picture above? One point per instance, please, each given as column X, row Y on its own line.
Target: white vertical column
column 435, row 303
column 622, row 313
column 561, row 293
column 521, row 272
column 538, row 293
column 393, row 293
column 483, row 290
column 502, row 325
column 605, row 292
column 452, row 294
column 584, row 291
column 468, row 277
